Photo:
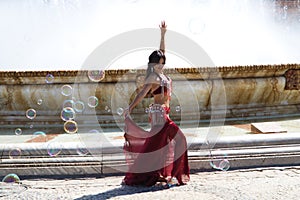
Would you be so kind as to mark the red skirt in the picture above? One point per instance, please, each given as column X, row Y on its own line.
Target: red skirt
column 160, row 152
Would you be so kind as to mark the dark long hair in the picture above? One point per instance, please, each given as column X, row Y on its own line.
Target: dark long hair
column 154, row 58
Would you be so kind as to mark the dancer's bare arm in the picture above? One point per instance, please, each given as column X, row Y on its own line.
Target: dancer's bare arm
column 163, row 29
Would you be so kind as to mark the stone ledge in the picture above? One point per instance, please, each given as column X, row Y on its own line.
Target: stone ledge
column 38, row 168
column 76, row 76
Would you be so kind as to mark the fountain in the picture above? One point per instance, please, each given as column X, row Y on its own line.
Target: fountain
column 253, row 93
column 256, row 82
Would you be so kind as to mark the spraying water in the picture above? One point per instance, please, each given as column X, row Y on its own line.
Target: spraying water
column 51, row 34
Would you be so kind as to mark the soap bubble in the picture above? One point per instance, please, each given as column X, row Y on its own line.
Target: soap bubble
column 221, row 164
column 39, row 101
column 224, row 165
column 66, row 90
column 70, row 126
column 79, row 106
column 96, row 75
column 133, row 71
column 30, row 113
column 39, row 136
column 18, row 131
column 177, row 108
column 49, row 78
column 81, row 149
column 11, row 178
column 54, row 149
column 94, row 131
column 120, row 111
column 107, row 109
column 147, row 110
column 15, row 153
column 11, row 186
column 39, row 133
column 93, row 101
column 68, row 103
column 67, row 114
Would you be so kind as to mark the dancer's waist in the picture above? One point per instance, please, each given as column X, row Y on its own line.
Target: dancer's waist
column 156, row 108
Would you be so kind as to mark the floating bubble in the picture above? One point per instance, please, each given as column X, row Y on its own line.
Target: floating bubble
column 173, row 182
column 66, row 90
column 11, row 178
column 39, row 101
column 120, row 89
column 39, row 133
column 39, row 136
column 218, row 162
column 67, row 114
column 96, row 75
column 120, row 111
column 79, row 106
column 107, row 109
column 11, row 187
column 68, row 103
column 31, row 126
column 94, row 131
column 15, row 153
column 81, row 149
column 133, row 71
column 147, row 110
column 70, row 126
column 177, row 108
column 30, row 113
column 18, row 131
column 93, row 101
column 54, row 149
column 49, row 78
column 224, row 165
column 221, row 164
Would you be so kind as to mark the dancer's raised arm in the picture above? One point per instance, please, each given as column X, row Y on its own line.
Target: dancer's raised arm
column 163, row 29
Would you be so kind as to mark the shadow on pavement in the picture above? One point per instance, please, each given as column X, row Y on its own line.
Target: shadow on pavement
column 120, row 191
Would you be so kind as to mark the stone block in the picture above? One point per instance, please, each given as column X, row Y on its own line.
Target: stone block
column 267, row 127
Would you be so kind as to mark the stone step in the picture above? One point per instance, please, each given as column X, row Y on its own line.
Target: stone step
column 115, row 164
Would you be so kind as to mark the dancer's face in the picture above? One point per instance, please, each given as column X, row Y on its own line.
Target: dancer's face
column 160, row 65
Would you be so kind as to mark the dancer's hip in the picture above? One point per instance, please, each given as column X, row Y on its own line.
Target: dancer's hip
column 158, row 114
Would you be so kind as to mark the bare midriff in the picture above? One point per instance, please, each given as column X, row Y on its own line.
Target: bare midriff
column 162, row 100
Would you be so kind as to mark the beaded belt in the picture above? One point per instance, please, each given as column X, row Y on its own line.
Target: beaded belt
column 157, row 114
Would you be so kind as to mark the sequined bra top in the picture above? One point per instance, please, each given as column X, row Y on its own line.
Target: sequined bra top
column 164, row 88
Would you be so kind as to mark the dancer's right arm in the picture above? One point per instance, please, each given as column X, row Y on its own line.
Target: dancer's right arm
column 146, row 88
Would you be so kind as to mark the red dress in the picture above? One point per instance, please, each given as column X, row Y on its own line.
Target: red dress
column 160, row 152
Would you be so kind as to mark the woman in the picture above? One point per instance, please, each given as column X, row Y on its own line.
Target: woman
column 158, row 155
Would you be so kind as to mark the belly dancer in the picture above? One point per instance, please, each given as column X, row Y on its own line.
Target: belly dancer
column 158, row 155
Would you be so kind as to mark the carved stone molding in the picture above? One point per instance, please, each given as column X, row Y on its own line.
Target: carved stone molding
column 125, row 75
column 292, row 79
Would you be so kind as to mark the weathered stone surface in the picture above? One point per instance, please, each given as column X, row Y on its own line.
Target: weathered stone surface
column 237, row 91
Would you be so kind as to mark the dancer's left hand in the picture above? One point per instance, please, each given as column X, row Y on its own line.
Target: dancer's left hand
column 126, row 113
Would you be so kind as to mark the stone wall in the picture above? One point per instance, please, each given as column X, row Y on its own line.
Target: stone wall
column 199, row 94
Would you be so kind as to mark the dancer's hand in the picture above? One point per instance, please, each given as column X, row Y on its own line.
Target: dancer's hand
column 126, row 113
column 163, row 27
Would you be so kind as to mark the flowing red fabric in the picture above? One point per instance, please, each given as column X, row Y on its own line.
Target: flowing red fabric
column 160, row 152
